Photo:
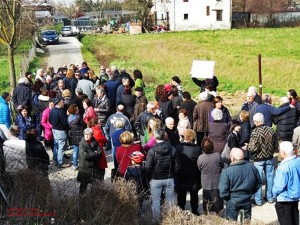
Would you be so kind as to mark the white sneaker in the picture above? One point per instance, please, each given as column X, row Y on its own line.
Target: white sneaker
column 74, row 168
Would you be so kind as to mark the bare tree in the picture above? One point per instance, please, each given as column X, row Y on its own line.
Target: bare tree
column 143, row 8
column 15, row 27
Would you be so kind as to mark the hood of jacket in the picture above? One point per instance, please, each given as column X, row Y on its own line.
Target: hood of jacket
column 2, row 100
column 163, row 148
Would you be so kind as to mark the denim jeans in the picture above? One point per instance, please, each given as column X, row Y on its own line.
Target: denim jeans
column 75, row 155
column 156, row 188
column 233, row 208
column 60, row 138
column 268, row 167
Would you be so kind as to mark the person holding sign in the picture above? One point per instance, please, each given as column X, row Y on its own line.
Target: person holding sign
column 203, row 74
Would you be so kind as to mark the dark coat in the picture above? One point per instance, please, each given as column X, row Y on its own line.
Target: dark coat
column 21, row 95
column 200, row 116
column 103, row 109
column 244, row 133
column 239, row 182
column 233, row 140
column 286, row 123
column 168, row 109
column 141, row 123
column 203, row 83
column 160, row 163
column 218, row 134
column 173, row 136
column 37, row 157
column 24, row 125
column 189, row 105
column 111, row 87
column 128, row 101
column 140, row 105
column 187, row 175
column 76, row 129
column 226, row 116
column 89, row 155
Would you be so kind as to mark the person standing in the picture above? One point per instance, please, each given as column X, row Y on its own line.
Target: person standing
column 262, row 145
column 5, row 118
column 286, row 185
column 59, row 122
column 250, row 105
column 237, row 184
column 160, row 168
column 187, row 175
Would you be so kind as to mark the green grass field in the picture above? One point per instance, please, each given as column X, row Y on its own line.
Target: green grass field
column 161, row 56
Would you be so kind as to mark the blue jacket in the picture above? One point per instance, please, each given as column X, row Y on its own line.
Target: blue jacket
column 239, row 182
column 287, row 180
column 24, row 125
column 268, row 111
column 4, row 113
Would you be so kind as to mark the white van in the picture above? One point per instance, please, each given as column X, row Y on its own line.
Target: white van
column 69, row 31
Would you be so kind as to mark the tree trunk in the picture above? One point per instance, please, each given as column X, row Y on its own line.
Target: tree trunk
column 12, row 69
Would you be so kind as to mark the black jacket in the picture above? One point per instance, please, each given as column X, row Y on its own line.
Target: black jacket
column 37, row 157
column 76, row 130
column 141, row 123
column 187, row 175
column 160, row 163
column 189, row 105
column 21, row 95
column 58, row 119
column 173, row 136
column 89, row 155
column 286, row 123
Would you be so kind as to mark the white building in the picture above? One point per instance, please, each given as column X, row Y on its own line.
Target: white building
column 192, row 14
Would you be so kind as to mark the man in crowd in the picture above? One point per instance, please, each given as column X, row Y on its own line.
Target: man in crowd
column 58, row 120
column 237, row 184
column 21, row 94
column 262, row 145
column 286, row 186
column 250, row 106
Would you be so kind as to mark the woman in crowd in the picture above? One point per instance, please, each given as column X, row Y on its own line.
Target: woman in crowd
column 187, row 175
column 76, row 126
column 89, row 155
column 217, row 130
column 128, row 100
column 119, row 124
column 210, row 165
column 92, row 76
column 218, row 104
column 101, row 139
column 67, row 96
column 125, row 150
column 153, row 125
column 245, row 131
column 166, row 105
column 184, row 122
column 138, row 79
column 43, row 100
column 48, row 135
column 24, row 122
column 36, row 155
column 89, row 112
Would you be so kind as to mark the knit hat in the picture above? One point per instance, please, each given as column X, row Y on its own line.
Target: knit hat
column 140, row 89
column 176, row 79
column 203, row 96
column 217, row 114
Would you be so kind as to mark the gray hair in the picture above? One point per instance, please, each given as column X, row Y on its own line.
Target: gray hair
column 287, row 147
column 150, row 105
column 259, row 117
column 119, row 123
column 252, row 89
column 88, row 131
column 169, row 119
column 284, row 100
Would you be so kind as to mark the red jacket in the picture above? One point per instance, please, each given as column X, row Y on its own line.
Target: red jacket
column 101, row 139
column 89, row 114
column 123, row 154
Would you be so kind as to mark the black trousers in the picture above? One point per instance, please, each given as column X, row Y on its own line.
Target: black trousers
column 287, row 213
column 181, row 199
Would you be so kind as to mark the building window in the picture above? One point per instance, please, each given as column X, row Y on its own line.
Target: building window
column 219, row 15
column 162, row 16
column 207, row 10
column 185, row 16
column 185, row 0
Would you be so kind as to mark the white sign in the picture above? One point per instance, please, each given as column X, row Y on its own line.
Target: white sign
column 203, row 69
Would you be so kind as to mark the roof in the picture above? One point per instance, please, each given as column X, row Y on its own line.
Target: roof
column 42, row 14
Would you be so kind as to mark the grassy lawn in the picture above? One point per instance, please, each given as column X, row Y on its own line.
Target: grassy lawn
column 161, row 56
column 21, row 53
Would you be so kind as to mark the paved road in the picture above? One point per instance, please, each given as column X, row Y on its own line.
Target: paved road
column 66, row 52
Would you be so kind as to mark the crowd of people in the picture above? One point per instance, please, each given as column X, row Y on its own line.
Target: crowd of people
column 169, row 146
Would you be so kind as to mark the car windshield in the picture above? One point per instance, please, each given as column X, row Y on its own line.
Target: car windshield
column 49, row 33
column 66, row 28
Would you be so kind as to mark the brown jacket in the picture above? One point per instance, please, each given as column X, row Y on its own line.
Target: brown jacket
column 200, row 116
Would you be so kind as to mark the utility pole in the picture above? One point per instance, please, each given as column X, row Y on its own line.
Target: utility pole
column 259, row 75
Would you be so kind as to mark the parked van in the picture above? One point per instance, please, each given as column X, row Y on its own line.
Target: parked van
column 69, row 31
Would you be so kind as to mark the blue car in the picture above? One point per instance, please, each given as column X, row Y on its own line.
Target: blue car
column 49, row 37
